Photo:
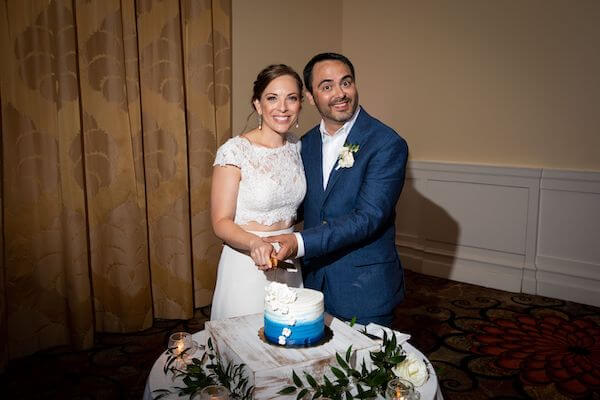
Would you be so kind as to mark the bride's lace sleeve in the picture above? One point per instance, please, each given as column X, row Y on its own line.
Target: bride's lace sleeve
column 228, row 154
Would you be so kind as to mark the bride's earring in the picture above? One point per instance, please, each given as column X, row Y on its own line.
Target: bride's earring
column 297, row 119
column 259, row 122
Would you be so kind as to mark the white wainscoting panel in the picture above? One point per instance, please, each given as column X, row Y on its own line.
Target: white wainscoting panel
column 568, row 251
column 517, row 229
column 470, row 223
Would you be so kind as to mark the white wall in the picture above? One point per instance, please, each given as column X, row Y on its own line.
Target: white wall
column 512, row 83
column 271, row 32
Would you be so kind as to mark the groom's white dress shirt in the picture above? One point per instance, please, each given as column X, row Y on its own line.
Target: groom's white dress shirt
column 332, row 147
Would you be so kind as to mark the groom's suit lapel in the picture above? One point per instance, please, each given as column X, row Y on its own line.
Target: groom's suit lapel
column 358, row 135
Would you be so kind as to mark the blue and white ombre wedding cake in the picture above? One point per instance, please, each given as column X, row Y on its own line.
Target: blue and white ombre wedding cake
column 293, row 316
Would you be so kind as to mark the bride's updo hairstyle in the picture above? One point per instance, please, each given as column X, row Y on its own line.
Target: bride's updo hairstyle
column 268, row 74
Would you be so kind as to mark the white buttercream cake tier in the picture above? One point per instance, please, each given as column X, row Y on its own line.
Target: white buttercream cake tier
column 293, row 316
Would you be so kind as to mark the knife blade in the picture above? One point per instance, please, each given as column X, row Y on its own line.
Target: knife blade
column 285, row 264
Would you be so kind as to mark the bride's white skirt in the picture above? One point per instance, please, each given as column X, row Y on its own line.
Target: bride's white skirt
column 240, row 288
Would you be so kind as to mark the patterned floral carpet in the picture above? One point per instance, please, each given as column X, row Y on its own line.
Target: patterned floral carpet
column 491, row 344
column 483, row 343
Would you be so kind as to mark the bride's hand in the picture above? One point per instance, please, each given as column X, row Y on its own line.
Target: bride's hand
column 261, row 252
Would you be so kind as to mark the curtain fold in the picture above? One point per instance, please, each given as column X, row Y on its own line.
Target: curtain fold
column 207, row 72
column 112, row 111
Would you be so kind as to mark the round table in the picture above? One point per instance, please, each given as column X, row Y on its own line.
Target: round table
column 157, row 379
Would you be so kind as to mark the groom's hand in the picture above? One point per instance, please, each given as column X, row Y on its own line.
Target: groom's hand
column 288, row 245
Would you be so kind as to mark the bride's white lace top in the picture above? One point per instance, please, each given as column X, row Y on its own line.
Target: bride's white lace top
column 272, row 184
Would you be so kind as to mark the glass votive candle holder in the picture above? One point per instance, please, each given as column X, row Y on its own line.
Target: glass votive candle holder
column 212, row 392
column 180, row 343
column 401, row 389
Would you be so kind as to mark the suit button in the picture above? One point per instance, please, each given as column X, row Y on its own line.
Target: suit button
column 324, row 222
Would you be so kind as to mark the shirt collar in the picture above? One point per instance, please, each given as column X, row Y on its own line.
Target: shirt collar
column 343, row 130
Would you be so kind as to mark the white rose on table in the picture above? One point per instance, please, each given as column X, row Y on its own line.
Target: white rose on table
column 412, row 369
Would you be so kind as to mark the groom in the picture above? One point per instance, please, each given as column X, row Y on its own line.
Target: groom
column 354, row 167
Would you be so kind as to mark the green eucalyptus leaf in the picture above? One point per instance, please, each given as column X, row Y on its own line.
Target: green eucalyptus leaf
column 397, row 359
column 301, row 394
column 338, row 373
column 348, row 353
column 355, row 374
column 379, row 379
column 341, row 361
column 194, row 369
column 368, row 394
column 377, row 356
column 287, row 390
column 363, row 367
column 388, row 349
column 297, row 379
column 359, row 389
column 311, row 381
column 342, row 383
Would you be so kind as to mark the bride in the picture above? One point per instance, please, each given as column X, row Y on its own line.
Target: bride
column 258, row 183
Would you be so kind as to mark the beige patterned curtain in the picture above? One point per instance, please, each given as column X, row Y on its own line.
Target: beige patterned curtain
column 112, row 111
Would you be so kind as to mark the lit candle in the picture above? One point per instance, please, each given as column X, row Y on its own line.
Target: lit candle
column 213, row 392
column 398, row 395
column 180, row 347
column 399, row 389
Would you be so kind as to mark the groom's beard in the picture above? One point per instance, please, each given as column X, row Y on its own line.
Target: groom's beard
column 338, row 116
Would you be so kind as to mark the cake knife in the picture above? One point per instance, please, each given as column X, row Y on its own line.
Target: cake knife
column 285, row 264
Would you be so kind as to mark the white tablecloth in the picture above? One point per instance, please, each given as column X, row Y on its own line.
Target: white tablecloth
column 159, row 380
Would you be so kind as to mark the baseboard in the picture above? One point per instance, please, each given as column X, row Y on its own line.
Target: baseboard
column 568, row 287
column 477, row 272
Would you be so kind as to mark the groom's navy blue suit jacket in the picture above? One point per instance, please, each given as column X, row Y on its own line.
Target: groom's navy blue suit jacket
column 349, row 228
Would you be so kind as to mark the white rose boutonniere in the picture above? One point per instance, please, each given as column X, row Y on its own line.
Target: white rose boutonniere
column 346, row 157
column 412, row 369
